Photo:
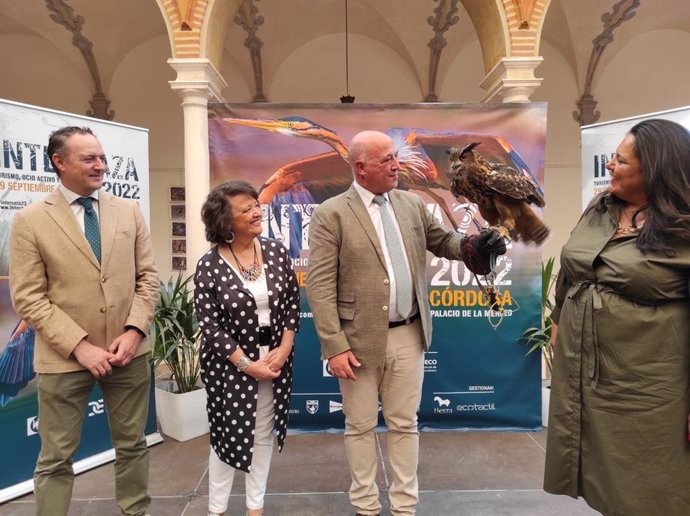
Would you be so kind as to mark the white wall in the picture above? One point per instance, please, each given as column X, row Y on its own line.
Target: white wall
column 649, row 74
column 315, row 72
column 35, row 72
column 562, row 173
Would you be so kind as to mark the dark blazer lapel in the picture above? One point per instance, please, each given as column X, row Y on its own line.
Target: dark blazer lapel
column 58, row 209
column 107, row 220
column 362, row 215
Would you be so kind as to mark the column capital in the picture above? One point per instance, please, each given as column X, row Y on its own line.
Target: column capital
column 512, row 80
column 197, row 76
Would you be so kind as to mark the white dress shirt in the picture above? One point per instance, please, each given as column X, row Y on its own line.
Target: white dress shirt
column 77, row 208
column 374, row 211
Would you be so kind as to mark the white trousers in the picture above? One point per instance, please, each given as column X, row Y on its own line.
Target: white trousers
column 221, row 475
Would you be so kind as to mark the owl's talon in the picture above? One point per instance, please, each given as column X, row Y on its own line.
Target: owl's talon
column 503, row 232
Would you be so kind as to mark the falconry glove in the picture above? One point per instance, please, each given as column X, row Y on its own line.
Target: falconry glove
column 476, row 250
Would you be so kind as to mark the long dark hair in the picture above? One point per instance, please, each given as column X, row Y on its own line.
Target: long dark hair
column 663, row 148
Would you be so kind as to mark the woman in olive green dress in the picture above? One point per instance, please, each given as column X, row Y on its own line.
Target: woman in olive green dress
column 620, row 392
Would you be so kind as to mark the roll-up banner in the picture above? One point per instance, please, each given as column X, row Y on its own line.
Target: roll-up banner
column 476, row 377
column 599, row 142
column 26, row 175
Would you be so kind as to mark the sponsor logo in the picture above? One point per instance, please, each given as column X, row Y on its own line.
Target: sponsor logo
column 326, row 373
column 600, row 161
column 441, row 402
column 475, row 407
column 442, row 405
column 430, row 362
column 32, row 425
column 334, row 406
column 96, row 408
column 294, row 411
column 312, row 406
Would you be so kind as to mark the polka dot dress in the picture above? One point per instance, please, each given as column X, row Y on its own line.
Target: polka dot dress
column 228, row 318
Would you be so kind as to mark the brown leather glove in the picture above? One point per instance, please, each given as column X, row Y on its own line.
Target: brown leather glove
column 476, row 250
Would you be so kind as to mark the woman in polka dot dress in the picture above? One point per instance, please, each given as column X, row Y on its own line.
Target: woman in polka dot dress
column 247, row 302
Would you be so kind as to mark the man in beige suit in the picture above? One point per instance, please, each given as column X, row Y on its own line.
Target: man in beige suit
column 82, row 273
column 367, row 289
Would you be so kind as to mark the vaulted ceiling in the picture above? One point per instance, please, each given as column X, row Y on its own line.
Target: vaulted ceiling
column 111, row 30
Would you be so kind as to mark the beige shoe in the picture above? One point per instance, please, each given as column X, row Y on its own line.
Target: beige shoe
column 255, row 512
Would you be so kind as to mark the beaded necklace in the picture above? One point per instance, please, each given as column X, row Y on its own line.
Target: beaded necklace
column 251, row 273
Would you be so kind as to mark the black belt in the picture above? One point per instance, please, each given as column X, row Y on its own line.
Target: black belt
column 404, row 322
column 264, row 335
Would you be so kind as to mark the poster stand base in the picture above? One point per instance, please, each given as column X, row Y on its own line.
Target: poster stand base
column 80, row 466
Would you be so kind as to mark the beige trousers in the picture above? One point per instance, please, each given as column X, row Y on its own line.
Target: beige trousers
column 398, row 384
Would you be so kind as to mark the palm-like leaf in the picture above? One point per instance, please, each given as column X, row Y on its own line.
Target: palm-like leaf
column 540, row 338
column 175, row 333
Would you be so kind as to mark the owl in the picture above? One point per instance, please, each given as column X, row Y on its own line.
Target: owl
column 502, row 194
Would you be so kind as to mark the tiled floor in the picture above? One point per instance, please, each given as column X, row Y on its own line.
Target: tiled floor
column 460, row 474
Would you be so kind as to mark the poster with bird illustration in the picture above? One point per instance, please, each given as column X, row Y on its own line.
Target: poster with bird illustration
column 475, row 166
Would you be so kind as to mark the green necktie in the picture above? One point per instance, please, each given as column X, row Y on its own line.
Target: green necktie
column 403, row 285
column 91, row 229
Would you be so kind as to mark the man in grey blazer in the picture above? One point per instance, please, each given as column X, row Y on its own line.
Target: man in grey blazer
column 367, row 290
column 82, row 273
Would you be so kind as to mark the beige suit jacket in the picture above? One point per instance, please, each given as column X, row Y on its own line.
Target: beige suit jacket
column 347, row 281
column 58, row 286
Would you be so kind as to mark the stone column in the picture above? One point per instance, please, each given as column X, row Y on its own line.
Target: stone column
column 512, row 80
column 197, row 82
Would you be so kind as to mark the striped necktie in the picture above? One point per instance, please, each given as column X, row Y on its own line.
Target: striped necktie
column 91, row 229
column 403, row 283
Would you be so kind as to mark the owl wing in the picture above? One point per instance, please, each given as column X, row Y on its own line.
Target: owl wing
column 514, row 185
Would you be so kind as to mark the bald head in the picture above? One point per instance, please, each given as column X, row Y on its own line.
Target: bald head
column 363, row 142
column 373, row 161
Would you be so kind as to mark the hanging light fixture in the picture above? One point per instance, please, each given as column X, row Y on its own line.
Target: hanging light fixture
column 347, row 98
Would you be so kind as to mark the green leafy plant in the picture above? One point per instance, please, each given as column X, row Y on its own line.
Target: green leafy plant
column 540, row 338
column 175, row 334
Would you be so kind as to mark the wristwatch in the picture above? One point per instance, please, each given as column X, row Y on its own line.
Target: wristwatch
column 243, row 363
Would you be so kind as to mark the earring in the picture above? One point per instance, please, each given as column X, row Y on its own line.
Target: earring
column 231, row 239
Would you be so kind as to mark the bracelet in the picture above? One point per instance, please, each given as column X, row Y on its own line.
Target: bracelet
column 243, row 363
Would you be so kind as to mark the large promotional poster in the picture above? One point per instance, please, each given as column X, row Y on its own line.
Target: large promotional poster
column 477, row 373
column 599, row 142
column 26, row 175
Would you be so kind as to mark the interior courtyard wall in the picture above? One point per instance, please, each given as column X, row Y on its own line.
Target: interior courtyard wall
column 35, row 72
column 315, row 72
column 465, row 72
column 648, row 74
column 562, row 183
column 240, row 87
column 141, row 96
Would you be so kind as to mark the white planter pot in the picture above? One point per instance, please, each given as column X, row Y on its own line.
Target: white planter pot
column 182, row 416
column 545, row 395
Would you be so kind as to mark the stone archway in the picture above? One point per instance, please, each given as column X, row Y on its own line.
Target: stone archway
column 509, row 32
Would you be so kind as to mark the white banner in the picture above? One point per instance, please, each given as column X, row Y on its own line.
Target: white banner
column 599, row 142
column 26, row 175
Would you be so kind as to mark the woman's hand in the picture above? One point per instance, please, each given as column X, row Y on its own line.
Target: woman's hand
column 277, row 357
column 554, row 332
column 260, row 371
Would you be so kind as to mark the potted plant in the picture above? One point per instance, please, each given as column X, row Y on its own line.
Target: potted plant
column 540, row 337
column 180, row 401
